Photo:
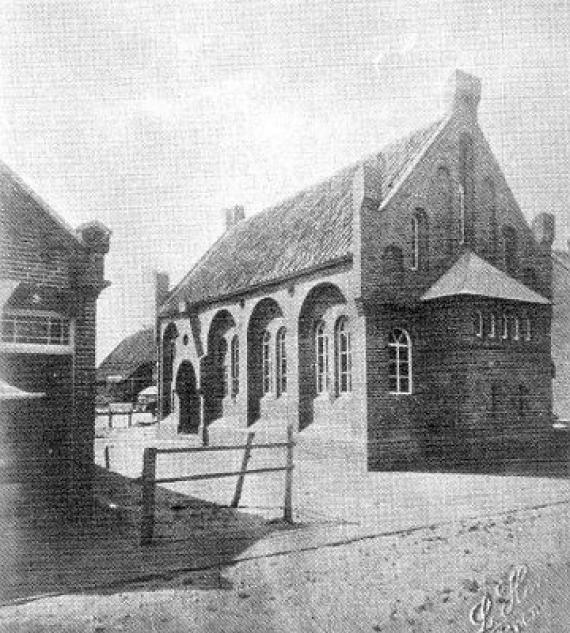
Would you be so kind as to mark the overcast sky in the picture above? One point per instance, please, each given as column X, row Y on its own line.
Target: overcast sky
column 153, row 115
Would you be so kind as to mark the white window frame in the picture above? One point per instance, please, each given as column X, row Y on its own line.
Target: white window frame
column 281, row 361
column 527, row 328
column 399, row 347
column 492, row 325
column 343, row 357
column 321, row 358
column 17, row 343
column 504, row 326
column 478, row 324
column 516, row 328
column 266, row 365
column 222, row 352
column 234, row 365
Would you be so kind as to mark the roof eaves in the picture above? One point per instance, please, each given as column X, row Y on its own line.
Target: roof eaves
column 163, row 313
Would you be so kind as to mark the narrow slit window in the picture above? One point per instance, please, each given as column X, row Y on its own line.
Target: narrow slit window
column 478, row 324
column 504, row 327
column 322, row 358
column 235, row 365
column 281, row 356
column 266, row 362
column 527, row 329
column 492, row 325
column 516, row 328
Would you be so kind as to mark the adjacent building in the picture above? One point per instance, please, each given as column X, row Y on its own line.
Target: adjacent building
column 402, row 305
column 50, row 278
column 128, row 369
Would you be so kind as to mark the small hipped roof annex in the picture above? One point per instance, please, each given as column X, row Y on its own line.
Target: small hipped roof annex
column 471, row 275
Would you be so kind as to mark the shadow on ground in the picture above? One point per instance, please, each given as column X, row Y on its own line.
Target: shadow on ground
column 43, row 551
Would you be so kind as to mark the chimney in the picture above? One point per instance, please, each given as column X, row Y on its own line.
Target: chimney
column 543, row 228
column 462, row 94
column 233, row 216
column 161, row 288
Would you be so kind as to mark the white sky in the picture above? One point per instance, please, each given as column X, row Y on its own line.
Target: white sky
column 153, row 115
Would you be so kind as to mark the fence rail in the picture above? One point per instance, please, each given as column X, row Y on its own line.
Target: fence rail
column 150, row 480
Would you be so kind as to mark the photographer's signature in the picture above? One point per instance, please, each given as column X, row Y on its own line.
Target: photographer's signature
column 510, row 605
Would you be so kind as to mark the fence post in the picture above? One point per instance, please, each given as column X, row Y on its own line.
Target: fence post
column 107, row 457
column 110, row 418
column 148, row 491
column 129, row 418
column 288, row 505
column 245, row 460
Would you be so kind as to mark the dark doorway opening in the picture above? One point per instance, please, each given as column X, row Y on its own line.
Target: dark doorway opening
column 189, row 420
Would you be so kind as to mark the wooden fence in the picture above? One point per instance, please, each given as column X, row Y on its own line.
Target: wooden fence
column 122, row 410
column 149, row 479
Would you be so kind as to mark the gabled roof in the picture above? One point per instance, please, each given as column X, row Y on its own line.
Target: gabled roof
column 11, row 183
column 471, row 275
column 132, row 352
column 308, row 231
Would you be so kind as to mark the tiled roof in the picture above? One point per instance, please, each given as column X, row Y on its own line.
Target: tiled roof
column 15, row 193
column 132, row 352
column 471, row 275
column 309, row 230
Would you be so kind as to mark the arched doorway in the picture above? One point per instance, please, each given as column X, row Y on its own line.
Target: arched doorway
column 260, row 360
column 186, row 389
column 168, row 350
column 316, row 335
column 215, row 379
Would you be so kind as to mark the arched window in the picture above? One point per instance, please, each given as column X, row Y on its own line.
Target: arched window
column 234, row 352
column 392, row 259
column 516, row 328
column 322, row 358
column 527, row 328
column 529, row 277
column 466, row 188
column 478, row 323
column 510, row 249
column 400, row 362
column 504, row 326
column 281, row 356
column 266, row 362
column 492, row 326
column 419, row 240
column 415, row 246
column 223, row 365
column 343, row 357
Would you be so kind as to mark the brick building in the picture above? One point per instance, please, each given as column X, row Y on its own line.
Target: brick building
column 402, row 305
column 128, row 368
column 50, row 278
column 561, row 333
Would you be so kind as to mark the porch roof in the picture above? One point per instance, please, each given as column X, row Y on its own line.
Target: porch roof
column 471, row 275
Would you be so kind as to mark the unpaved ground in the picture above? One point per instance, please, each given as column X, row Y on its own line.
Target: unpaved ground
column 427, row 580
column 386, row 552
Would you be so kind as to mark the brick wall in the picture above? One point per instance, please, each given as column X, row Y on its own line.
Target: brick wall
column 41, row 254
column 561, row 335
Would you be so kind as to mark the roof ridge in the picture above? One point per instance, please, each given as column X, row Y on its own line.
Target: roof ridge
column 308, row 228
